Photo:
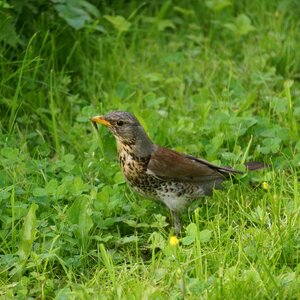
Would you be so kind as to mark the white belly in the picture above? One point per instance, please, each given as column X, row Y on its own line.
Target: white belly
column 178, row 203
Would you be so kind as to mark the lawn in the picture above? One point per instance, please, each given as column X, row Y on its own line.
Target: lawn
column 218, row 79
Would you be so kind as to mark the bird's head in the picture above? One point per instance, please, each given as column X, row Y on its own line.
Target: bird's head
column 126, row 129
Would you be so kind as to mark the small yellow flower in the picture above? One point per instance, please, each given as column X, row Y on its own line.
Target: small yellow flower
column 174, row 241
column 265, row 186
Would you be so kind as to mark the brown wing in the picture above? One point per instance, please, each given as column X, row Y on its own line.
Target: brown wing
column 168, row 164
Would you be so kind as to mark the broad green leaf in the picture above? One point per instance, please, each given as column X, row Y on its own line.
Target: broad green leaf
column 217, row 5
column 131, row 223
column 157, row 240
column 119, row 178
column 241, row 25
column 270, row 145
column 90, row 8
column 27, row 235
column 79, row 214
column 102, row 199
column 8, row 33
column 77, row 13
column 68, row 163
column 244, row 24
column 128, row 239
column 191, row 233
column 39, row 192
column 160, row 221
column 28, row 232
column 103, row 239
column 205, row 235
column 79, row 186
column 164, row 24
column 75, row 17
column 51, row 187
column 187, row 240
column 11, row 154
column 119, row 22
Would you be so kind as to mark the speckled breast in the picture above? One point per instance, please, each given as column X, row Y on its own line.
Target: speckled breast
column 134, row 170
column 175, row 195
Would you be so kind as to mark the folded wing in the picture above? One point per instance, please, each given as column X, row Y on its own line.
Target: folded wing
column 171, row 165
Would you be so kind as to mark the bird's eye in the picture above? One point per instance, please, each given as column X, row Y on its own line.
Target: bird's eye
column 120, row 123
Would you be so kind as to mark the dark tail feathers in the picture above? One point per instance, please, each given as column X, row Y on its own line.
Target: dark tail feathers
column 254, row 165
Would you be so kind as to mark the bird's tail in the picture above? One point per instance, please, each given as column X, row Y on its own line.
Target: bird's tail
column 254, row 165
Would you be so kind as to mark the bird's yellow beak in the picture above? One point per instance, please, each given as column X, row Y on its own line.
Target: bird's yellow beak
column 101, row 120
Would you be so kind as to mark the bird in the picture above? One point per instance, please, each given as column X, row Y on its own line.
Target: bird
column 159, row 173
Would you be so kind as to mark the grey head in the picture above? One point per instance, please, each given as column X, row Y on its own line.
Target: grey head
column 128, row 131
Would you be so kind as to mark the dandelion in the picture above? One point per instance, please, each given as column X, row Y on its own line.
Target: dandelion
column 265, row 186
column 174, row 240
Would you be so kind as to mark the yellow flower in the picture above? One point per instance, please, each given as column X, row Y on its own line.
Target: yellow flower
column 265, row 185
column 174, row 241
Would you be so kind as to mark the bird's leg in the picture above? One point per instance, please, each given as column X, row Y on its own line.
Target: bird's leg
column 177, row 224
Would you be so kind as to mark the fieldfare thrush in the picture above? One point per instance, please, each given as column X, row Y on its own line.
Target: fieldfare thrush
column 159, row 173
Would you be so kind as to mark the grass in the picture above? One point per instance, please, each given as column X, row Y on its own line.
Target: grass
column 214, row 80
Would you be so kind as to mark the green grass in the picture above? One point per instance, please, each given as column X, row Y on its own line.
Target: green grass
column 214, row 80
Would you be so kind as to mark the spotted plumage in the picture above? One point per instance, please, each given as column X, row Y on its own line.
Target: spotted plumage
column 173, row 194
column 160, row 173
